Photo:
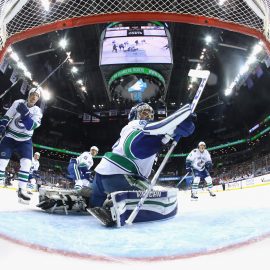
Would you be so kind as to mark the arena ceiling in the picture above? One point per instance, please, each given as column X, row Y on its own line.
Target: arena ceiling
column 220, row 118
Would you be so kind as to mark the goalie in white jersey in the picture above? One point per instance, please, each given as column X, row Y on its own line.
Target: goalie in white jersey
column 129, row 165
column 199, row 163
column 18, row 124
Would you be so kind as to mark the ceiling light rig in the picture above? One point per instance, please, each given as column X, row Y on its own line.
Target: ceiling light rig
column 83, row 88
column 80, row 82
column 194, row 80
column 46, row 95
column 208, row 39
column 45, row 4
column 74, row 69
column 63, row 44
column 221, row 2
column 18, row 64
column 256, row 56
column 26, row 75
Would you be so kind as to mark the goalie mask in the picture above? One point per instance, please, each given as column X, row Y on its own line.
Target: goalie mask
column 141, row 111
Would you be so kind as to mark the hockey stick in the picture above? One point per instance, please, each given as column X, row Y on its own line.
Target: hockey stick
column 184, row 177
column 7, row 90
column 43, row 103
column 68, row 56
column 203, row 74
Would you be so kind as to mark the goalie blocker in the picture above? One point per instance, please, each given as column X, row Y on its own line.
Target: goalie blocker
column 160, row 204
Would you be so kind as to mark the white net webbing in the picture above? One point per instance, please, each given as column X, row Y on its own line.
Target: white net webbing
column 18, row 16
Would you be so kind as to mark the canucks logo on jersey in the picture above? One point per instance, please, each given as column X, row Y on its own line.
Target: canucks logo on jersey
column 18, row 123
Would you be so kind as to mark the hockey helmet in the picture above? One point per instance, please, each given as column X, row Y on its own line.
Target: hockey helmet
column 37, row 153
column 202, row 143
column 141, row 111
column 94, row 148
column 35, row 90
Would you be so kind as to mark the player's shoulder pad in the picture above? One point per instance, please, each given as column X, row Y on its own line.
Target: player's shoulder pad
column 137, row 124
column 19, row 101
column 143, row 123
column 37, row 110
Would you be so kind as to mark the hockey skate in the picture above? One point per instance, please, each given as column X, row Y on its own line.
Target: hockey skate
column 103, row 215
column 194, row 196
column 2, row 183
column 23, row 196
column 212, row 194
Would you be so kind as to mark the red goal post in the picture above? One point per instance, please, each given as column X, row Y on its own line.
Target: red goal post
column 22, row 19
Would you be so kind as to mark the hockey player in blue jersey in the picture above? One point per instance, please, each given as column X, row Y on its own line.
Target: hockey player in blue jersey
column 17, row 127
column 129, row 165
column 199, row 163
column 79, row 168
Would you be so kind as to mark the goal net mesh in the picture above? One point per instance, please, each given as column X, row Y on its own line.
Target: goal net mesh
column 21, row 16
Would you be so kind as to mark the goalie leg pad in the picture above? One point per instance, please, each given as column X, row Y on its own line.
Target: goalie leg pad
column 160, row 204
column 61, row 199
column 169, row 124
column 46, row 204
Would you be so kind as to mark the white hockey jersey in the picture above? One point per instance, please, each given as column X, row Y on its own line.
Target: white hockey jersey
column 119, row 162
column 34, row 166
column 198, row 159
column 85, row 160
column 15, row 128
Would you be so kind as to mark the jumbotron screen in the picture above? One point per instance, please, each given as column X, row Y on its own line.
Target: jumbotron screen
column 128, row 45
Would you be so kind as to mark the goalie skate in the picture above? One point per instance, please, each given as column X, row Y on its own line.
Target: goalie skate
column 103, row 215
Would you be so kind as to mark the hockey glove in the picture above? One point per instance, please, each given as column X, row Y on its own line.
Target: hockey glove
column 36, row 174
column 89, row 175
column 22, row 109
column 208, row 166
column 3, row 124
column 185, row 129
column 188, row 167
column 25, row 116
column 2, row 130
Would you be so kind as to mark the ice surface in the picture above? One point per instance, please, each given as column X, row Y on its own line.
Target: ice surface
column 226, row 224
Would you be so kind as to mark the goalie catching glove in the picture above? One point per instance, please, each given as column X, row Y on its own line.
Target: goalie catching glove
column 168, row 125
